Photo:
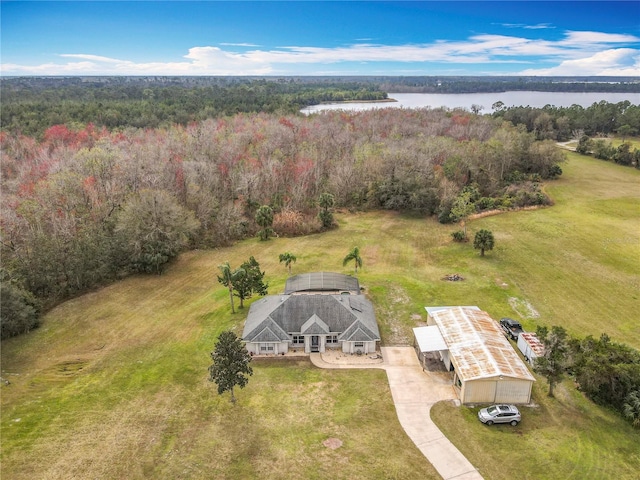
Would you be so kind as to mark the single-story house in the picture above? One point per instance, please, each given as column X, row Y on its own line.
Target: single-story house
column 318, row 311
column 472, row 345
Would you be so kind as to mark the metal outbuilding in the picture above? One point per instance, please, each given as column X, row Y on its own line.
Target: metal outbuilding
column 486, row 367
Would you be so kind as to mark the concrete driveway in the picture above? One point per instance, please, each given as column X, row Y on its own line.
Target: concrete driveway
column 414, row 391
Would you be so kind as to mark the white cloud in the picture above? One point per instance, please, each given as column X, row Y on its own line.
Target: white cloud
column 613, row 62
column 586, row 38
column 93, row 58
column 539, row 26
column 225, row 44
column 578, row 53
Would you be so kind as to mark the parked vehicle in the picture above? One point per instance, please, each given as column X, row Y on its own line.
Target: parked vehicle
column 500, row 414
column 511, row 327
column 530, row 346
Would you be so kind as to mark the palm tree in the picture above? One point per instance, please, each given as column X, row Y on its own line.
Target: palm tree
column 228, row 278
column 264, row 218
column 355, row 256
column 326, row 202
column 288, row 259
column 483, row 241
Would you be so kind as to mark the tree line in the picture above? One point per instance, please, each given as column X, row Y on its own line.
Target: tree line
column 30, row 106
column 84, row 206
column 565, row 123
column 607, row 372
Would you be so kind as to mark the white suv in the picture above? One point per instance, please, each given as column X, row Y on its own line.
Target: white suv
column 500, row 414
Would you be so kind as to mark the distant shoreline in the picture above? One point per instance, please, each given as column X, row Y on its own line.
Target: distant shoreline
column 386, row 100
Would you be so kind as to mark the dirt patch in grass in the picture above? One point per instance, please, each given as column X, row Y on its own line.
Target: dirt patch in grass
column 332, row 443
column 390, row 311
column 523, row 308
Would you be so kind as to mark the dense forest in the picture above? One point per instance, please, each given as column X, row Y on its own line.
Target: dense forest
column 30, row 105
column 83, row 206
column 102, row 177
column 470, row 84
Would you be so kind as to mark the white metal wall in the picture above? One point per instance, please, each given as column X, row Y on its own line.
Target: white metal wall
column 496, row 391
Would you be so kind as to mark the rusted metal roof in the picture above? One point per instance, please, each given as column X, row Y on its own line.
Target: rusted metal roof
column 534, row 342
column 477, row 345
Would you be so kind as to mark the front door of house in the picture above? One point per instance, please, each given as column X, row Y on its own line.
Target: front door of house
column 315, row 343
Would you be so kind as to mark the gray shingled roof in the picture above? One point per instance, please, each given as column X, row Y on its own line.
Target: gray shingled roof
column 350, row 316
column 321, row 281
column 358, row 332
column 314, row 326
column 268, row 331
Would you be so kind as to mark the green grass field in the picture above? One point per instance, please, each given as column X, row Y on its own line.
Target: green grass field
column 114, row 384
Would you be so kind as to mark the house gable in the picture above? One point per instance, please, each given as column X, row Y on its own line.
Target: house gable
column 314, row 326
column 358, row 332
column 267, row 331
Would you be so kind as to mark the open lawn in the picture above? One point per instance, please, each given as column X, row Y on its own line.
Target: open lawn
column 114, row 384
column 614, row 141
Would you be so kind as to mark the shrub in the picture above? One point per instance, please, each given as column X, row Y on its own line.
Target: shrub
column 292, row 223
column 20, row 310
column 444, row 212
column 486, row 203
column 459, row 236
column 555, row 171
column 524, row 194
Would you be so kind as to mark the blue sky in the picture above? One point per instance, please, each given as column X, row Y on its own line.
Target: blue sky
column 320, row 38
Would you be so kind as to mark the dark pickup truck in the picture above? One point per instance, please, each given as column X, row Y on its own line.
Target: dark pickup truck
column 511, row 327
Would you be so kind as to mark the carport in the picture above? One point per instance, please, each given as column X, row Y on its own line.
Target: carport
column 429, row 343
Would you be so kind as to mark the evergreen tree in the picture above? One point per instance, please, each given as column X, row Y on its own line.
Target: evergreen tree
column 251, row 282
column 230, row 366
column 553, row 363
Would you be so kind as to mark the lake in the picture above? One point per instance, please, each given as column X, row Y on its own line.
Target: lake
column 485, row 100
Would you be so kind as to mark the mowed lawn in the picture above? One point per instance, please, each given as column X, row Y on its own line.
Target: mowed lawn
column 114, row 384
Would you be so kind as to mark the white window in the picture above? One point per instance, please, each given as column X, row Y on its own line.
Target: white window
column 359, row 344
column 298, row 339
column 332, row 339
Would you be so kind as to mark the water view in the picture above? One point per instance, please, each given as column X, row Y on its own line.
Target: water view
column 484, row 100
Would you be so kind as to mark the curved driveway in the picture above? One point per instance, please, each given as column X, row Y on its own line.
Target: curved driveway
column 414, row 391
